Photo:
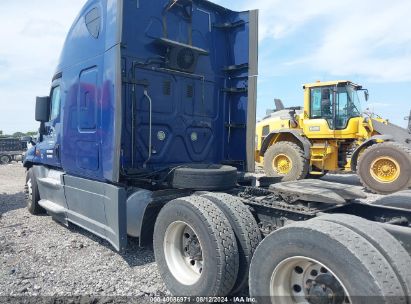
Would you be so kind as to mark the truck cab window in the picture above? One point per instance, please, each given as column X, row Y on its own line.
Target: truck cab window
column 93, row 22
column 55, row 103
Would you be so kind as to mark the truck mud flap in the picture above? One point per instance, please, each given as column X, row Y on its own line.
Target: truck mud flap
column 97, row 207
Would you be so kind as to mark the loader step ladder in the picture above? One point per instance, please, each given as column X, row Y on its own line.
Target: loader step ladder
column 319, row 157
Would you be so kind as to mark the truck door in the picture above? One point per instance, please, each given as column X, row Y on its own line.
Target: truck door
column 49, row 147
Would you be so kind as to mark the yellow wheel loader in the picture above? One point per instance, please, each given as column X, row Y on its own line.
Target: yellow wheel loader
column 331, row 133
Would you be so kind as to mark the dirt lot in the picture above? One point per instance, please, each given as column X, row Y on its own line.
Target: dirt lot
column 40, row 257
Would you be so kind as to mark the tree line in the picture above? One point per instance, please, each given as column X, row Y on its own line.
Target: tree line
column 18, row 134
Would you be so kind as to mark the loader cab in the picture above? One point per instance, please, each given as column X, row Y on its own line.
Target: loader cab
column 332, row 109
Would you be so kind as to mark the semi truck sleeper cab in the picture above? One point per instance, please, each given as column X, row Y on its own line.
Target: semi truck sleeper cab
column 148, row 132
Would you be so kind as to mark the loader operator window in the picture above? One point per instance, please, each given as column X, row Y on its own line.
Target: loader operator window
column 348, row 106
column 55, row 104
column 322, row 104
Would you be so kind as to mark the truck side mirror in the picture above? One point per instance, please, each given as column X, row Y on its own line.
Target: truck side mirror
column 42, row 109
column 366, row 95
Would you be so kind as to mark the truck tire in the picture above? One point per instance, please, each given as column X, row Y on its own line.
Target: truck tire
column 32, row 194
column 246, row 231
column 383, row 241
column 190, row 233
column 385, row 168
column 285, row 159
column 400, row 199
column 317, row 259
column 5, row 159
column 204, row 178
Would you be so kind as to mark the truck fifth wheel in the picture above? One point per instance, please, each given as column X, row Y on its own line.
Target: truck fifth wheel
column 146, row 133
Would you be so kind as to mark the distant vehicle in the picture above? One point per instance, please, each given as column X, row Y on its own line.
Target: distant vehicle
column 12, row 149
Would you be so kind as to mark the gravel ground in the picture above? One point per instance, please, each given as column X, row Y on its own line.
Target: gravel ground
column 38, row 256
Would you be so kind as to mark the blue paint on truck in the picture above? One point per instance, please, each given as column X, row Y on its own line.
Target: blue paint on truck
column 143, row 87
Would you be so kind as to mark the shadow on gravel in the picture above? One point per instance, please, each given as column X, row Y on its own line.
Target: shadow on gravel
column 9, row 202
column 134, row 255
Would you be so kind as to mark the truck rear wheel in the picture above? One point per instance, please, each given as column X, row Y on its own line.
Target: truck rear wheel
column 385, row 168
column 285, row 159
column 246, row 231
column 32, row 194
column 195, row 248
column 5, row 159
column 382, row 240
column 324, row 262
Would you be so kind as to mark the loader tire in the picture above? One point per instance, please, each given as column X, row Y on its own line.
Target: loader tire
column 385, row 168
column 195, row 248
column 286, row 160
column 318, row 260
column 32, row 194
column 383, row 241
column 246, row 231
column 204, row 177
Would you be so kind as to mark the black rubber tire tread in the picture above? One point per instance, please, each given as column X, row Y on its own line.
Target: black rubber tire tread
column 400, row 199
column 292, row 150
column 404, row 180
column 385, row 243
column 9, row 159
column 33, row 203
column 204, row 177
column 359, row 265
column 246, row 231
column 203, row 212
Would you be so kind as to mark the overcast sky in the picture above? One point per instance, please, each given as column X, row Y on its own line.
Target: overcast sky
column 368, row 42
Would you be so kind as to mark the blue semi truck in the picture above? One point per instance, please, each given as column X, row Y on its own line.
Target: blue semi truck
column 148, row 132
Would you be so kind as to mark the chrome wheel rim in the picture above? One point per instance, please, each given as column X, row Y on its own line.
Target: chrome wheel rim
column 305, row 280
column 183, row 253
